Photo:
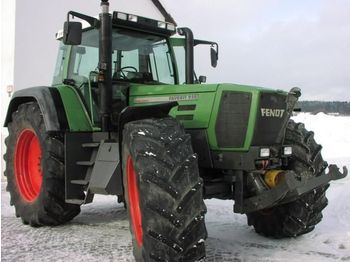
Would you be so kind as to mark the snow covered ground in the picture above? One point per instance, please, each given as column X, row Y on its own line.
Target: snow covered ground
column 100, row 232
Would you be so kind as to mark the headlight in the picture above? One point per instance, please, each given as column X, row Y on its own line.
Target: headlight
column 264, row 152
column 122, row 16
column 132, row 18
column 170, row 27
column 287, row 151
column 144, row 22
column 161, row 24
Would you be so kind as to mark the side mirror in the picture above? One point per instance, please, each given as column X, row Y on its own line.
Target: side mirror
column 213, row 57
column 72, row 32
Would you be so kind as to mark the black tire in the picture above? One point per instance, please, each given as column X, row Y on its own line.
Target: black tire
column 169, row 188
column 300, row 216
column 37, row 204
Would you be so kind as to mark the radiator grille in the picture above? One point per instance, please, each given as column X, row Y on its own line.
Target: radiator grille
column 232, row 121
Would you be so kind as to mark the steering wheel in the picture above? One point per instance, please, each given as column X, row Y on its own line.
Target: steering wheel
column 121, row 70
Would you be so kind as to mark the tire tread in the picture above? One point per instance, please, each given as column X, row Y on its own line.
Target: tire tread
column 168, row 175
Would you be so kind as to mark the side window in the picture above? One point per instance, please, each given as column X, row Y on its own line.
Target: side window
column 160, row 60
column 180, row 62
column 178, row 45
column 58, row 74
column 84, row 59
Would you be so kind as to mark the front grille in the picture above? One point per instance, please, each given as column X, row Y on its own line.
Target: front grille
column 232, row 121
column 270, row 120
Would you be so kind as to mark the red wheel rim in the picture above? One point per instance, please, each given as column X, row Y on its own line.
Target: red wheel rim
column 134, row 202
column 27, row 164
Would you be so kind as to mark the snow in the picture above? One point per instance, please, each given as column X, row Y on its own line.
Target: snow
column 101, row 233
column 150, row 154
column 333, row 132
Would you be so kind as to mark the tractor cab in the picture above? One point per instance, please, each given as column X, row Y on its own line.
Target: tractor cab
column 140, row 54
column 143, row 52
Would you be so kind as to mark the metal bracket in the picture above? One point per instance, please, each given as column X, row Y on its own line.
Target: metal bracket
column 289, row 190
column 104, row 176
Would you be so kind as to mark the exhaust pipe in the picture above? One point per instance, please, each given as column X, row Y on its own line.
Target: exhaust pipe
column 184, row 31
column 105, row 66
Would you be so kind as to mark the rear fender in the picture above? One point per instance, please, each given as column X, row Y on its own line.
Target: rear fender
column 49, row 101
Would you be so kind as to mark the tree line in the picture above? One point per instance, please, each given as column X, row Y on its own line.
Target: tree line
column 315, row 107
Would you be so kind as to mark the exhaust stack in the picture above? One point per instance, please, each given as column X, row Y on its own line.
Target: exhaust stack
column 105, row 65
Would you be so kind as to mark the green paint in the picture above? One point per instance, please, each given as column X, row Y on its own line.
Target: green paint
column 201, row 114
column 77, row 116
column 207, row 100
column 202, row 96
column 144, row 90
column 205, row 97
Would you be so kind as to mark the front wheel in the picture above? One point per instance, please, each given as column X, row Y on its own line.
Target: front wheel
column 300, row 216
column 163, row 192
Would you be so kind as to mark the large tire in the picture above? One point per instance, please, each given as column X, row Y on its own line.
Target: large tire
column 300, row 216
column 163, row 192
column 35, row 170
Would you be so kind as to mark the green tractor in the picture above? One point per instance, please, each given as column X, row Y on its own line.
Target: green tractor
column 127, row 116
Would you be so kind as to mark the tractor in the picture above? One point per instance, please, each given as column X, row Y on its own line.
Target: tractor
column 126, row 115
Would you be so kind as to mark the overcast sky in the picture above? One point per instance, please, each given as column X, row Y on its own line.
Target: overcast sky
column 271, row 43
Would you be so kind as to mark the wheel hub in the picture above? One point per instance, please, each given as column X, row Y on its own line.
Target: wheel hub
column 27, row 165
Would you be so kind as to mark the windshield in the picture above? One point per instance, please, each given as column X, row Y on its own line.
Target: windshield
column 136, row 57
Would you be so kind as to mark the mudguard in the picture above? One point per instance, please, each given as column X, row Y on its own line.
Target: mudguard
column 133, row 113
column 49, row 101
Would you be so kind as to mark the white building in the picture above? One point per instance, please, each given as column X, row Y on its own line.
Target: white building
column 7, row 49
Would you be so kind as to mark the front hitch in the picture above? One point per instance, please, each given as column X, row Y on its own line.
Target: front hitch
column 289, row 189
column 308, row 185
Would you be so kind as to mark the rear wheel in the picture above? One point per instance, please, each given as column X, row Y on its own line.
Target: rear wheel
column 163, row 192
column 35, row 170
column 300, row 216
